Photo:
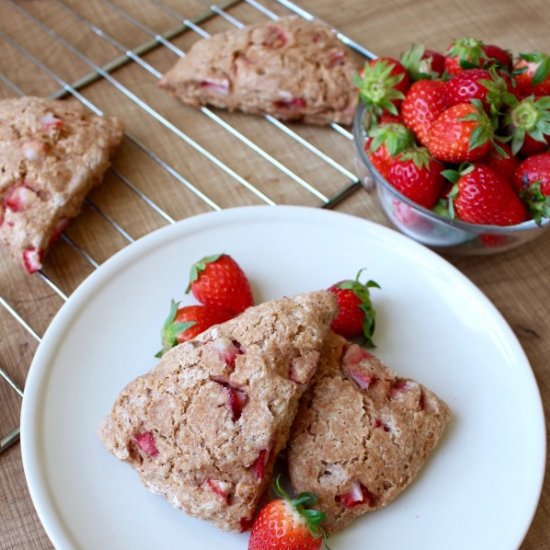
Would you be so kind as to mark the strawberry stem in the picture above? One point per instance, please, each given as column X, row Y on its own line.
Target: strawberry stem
column 200, row 266
column 171, row 330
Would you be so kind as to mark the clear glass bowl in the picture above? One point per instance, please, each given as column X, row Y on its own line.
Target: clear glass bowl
column 429, row 228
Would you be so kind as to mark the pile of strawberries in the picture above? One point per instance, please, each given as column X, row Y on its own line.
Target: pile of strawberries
column 465, row 133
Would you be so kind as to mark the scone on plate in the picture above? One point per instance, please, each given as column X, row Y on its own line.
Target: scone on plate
column 291, row 68
column 51, row 154
column 204, row 427
column 362, row 433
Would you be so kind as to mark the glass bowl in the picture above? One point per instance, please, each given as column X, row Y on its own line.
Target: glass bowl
column 429, row 228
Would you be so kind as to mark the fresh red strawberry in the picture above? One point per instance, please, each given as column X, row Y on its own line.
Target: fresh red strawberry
column 423, row 64
column 501, row 160
column 483, row 196
column 288, row 524
column 218, row 280
column 495, row 55
column 423, row 103
column 461, row 133
column 528, row 121
column 382, row 84
column 532, row 179
column 418, row 176
column 532, row 72
column 486, row 85
column 356, row 316
column 464, row 53
column 185, row 323
column 384, row 142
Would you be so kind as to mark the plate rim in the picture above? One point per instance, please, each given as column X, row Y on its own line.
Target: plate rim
column 41, row 367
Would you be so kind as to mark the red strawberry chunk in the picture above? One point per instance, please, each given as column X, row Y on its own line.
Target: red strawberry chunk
column 19, row 197
column 259, row 465
column 400, row 387
column 354, row 355
column 236, row 398
column 378, row 423
column 361, row 378
column 294, row 105
column 32, row 259
column 146, row 442
column 220, row 488
column 228, row 351
column 358, row 494
column 49, row 120
column 218, row 86
column 275, row 37
column 335, row 57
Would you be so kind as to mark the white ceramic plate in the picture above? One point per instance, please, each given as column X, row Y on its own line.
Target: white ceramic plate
column 479, row 490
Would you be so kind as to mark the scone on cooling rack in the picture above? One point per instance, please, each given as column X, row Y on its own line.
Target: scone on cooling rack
column 51, row 154
column 291, row 68
column 204, row 427
column 362, row 433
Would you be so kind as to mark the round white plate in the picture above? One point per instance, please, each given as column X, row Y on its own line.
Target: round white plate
column 478, row 491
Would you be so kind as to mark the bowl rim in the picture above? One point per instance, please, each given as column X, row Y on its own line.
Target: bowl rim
column 359, row 136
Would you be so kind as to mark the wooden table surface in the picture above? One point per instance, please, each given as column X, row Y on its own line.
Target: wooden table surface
column 33, row 55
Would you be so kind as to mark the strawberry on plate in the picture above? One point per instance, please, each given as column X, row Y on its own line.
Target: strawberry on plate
column 461, row 133
column 288, row 524
column 418, row 176
column 184, row 323
column 218, row 280
column 356, row 315
column 481, row 195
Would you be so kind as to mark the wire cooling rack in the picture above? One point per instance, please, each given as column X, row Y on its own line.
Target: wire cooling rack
column 87, row 45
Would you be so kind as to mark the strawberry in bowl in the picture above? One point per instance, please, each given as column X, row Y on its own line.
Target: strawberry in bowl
column 457, row 144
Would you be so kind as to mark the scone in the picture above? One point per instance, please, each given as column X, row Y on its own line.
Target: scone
column 362, row 433
column 204, row 427
column 292, row 69
column 51, row 154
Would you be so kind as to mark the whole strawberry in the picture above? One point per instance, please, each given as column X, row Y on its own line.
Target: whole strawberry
column 382, row 85
column 532, row 179
column 423, row 103
column 501, row 159
column 423, row 64
column 532, row 72
column 464, row 53
column 528, row 122
column 461, row 133
column 356, row 316
column 288, row 524
column 218, row 280
column 184, row 323
column 417, row 175
column 384, row 142
column 482, row 196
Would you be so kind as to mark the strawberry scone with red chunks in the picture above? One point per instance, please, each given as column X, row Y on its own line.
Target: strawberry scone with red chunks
column 362, row 433
column 290, row 68
column 51, row 154
column 203, row 428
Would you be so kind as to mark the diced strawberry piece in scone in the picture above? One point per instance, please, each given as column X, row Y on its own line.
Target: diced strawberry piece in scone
column 362, row 434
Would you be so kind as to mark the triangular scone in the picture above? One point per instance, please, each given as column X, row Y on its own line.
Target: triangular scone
column 362, row 433
column 51, row 154
column 204, row 427
column 290, row 68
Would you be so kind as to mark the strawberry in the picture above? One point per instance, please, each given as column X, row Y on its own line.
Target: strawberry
column 423, row 103
column 417, row 175
column 356, row 316
column 481, row 195
column 461, row 133
column 32, row 259
column 464, row 53
column 528, row 121
column 501, row 160
column 532, row 72
column 486, row 85
column 423, row 64
column 495, row 55
column 218, row 280
column 384, row 142
column 185, row 323
column 382, row 85
column 286, row 524
column 532, row 179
